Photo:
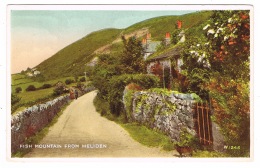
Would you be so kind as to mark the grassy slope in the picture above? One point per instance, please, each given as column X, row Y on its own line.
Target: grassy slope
column 71, row 59
column 160, row 25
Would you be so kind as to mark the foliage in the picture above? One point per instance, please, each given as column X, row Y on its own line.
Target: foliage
column 45, row 86
column 69, row 81
column 175, row 36
column 187, row 139
column 117, row 85
column 59, row 89
column 18, row 90
column 132, row 58
column 148, row 137
column 217, row 66
column 30, row 88
column 82, row 79
column 14, row 99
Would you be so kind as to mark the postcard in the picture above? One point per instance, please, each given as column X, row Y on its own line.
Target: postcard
column 130, row 81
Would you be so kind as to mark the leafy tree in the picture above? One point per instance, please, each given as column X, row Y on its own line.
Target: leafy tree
column 30, row 88
column 18, row 89
column 132, row 58
column 68, row 81
column 217, row 66
column 82, row 79
column 14, row 99
column 46, row 85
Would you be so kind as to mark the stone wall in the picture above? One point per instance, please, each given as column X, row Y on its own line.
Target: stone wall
column 167, row 111
column 26, row 123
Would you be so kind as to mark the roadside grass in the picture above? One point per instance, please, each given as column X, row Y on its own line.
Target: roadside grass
column 138, row 132
column 148, row 137
column 39, row 135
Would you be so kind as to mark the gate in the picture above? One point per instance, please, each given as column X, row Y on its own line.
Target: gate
column 203, row 124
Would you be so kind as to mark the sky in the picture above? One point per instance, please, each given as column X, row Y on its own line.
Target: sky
column 38, row 34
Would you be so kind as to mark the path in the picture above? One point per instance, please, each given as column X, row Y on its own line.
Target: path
column 82, row 132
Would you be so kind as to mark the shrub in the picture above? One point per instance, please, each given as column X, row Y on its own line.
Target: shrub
column 45, row 86
column 14, row 99
column 59, row 89
column 30, row 88
column 18, row 89
column 83, row 79
column 69, row 81
column 117, row 85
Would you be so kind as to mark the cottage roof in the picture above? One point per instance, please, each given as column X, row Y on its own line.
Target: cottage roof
column 151, row 46
column 173, row 51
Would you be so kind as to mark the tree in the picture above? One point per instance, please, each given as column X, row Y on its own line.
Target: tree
column 18, row 89
column 132, row 58
column 30, row 88
column 217, row 66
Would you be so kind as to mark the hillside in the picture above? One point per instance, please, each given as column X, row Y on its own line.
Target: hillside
column 72, row 59
column 68, row 61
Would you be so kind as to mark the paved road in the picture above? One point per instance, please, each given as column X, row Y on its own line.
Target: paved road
column 82, row 132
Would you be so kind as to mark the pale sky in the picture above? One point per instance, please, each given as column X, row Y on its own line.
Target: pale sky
column 38, row 34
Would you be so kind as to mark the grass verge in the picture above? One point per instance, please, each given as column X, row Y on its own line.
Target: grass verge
column 39, row 135
column 148, row 137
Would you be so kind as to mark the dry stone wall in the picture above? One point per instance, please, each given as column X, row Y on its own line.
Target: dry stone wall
column 168, row 111
column 26, row 123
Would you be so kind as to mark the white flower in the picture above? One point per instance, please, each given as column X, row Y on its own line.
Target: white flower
column 230, row 20
column 198, row 45
column 216, row 23
column 219, row 29
column 216, row 35
column 192, row 52
column 225, row 38
column 211, row 31
column 206, row 44
column 208, row 25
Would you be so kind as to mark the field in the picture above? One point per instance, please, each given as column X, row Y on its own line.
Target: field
column 29, row 98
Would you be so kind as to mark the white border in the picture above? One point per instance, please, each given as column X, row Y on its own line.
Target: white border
column 122, row 160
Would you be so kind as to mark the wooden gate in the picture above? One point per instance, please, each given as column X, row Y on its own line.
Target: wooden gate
column 203, row 124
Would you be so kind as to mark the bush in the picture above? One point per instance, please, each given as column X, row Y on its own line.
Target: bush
column 45, row 86
column 14, row 99
column 117, row 85
column 83, row 79
column 69, row 81
column 59, row 89
column 18, row 89
column 30, row 88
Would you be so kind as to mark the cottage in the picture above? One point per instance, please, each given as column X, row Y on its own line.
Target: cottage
column 149, row 45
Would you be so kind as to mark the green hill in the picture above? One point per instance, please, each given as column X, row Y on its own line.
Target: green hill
column 71, row 60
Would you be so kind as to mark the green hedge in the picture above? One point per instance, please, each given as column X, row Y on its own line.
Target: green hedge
column 117, row 85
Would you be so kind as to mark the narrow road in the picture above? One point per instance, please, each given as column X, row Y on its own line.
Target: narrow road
column 82, row 132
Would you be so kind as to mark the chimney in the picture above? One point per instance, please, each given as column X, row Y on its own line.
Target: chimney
column 182, row 36
column 148, row 37
column 167, row 38
column 179, row 24
column 144, row 41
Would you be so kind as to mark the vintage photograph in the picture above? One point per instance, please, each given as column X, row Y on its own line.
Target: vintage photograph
column 130, row 81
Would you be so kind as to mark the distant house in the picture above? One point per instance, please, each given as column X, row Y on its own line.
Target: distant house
column 35, row 73
column 29, row 74
column 149, row 45
column 167, row 63
column 166, row 59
